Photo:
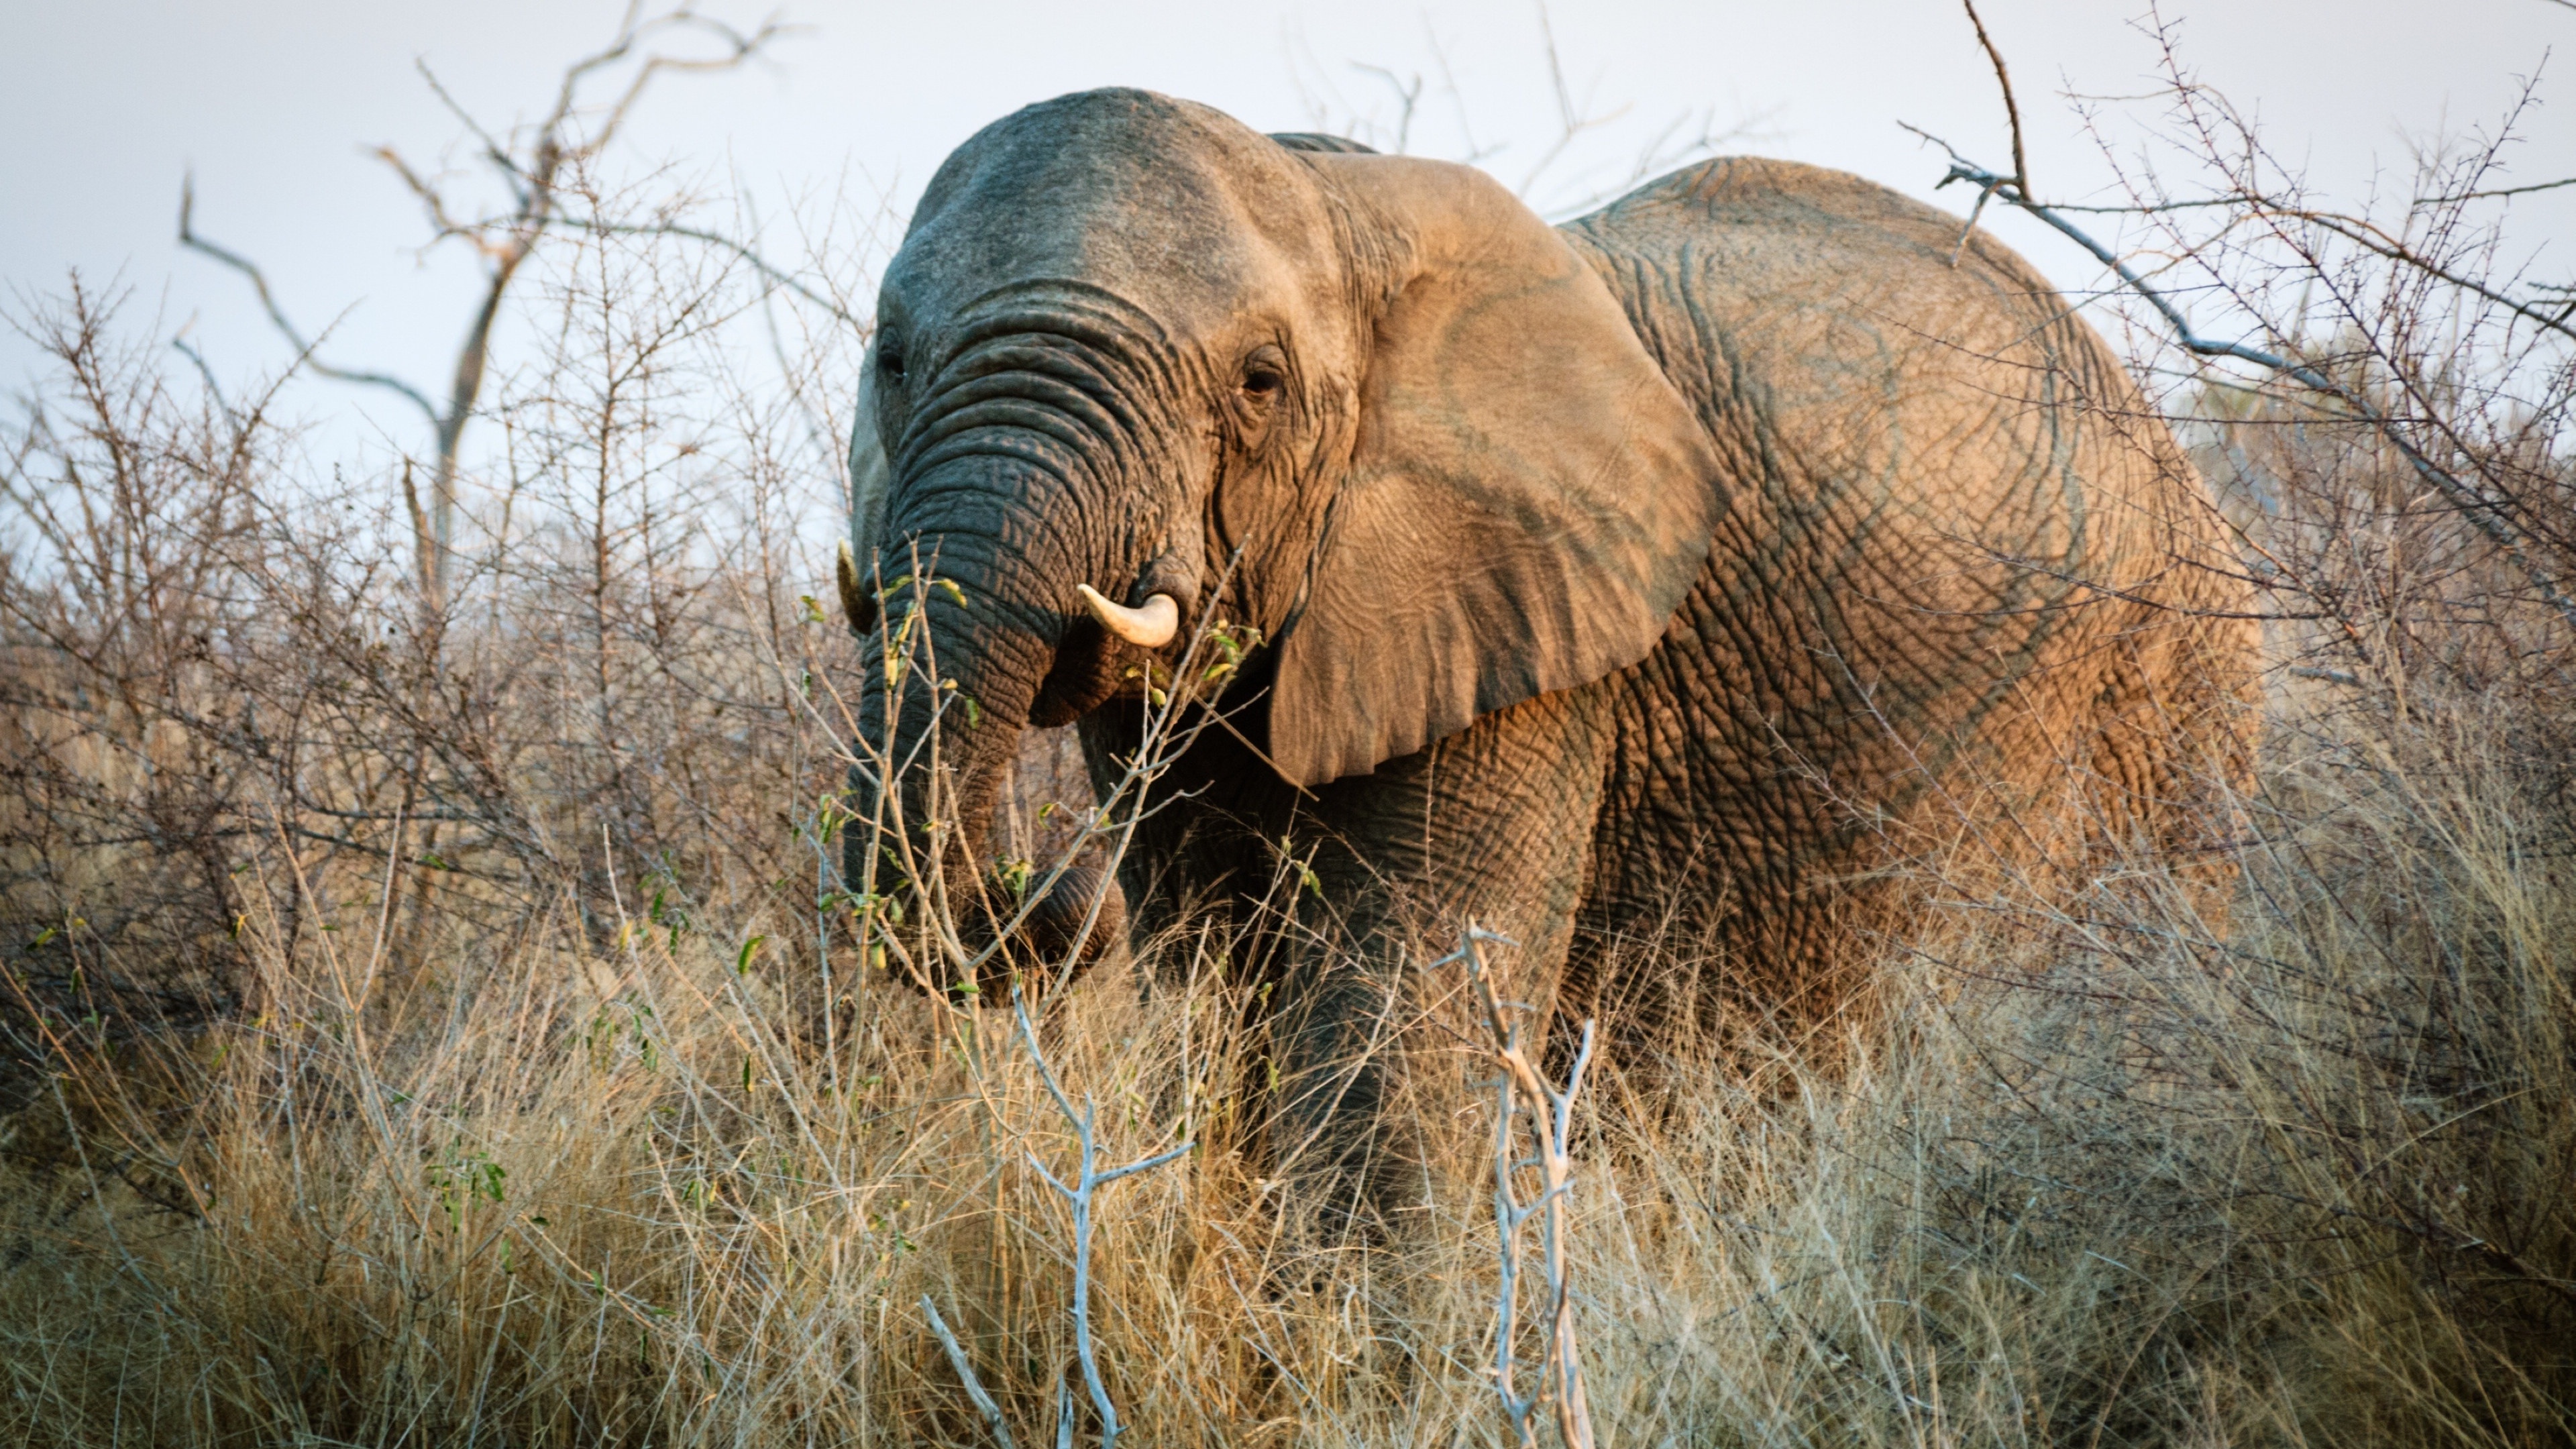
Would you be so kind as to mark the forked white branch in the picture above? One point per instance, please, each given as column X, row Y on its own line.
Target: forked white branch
column 1523, row 1095
column 1081, row 1194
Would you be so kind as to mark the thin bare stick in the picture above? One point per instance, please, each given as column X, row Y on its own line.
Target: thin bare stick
column 983, row 1401
column 2019, row 181
column 2500, row 191
column 2012, row 112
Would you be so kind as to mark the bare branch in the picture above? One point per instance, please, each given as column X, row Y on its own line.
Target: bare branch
column 1407, row 94
column 1550, row 1113
column 739, row 48
column 2502, row 190
column 983, row 1401
column 1081, row 1196
column 205, row 374
column 1571, row 122
column 758, row 263
column 276, row 315
column 2012, row 112
column 493, row 149
column 442, row 226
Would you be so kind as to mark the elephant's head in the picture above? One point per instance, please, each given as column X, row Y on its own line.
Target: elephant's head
column 1128, row 341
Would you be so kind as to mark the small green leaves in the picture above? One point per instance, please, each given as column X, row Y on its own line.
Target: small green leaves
column 1304, row 866
column 464, row 1179
column 750, row 948
column 831, row 812
column 1014, row 873
column 1228, row 643
column 903, row 582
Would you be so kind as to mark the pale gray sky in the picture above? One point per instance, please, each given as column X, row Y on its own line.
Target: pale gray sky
column 108, row 102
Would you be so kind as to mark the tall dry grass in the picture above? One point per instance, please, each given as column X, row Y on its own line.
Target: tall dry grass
column 2298, row 1186
column 443, row 1028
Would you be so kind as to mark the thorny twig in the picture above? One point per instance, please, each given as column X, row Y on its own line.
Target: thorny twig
column 2484, row 513
column 1550, row 1113
column 2020, row 179
column 2012, row 111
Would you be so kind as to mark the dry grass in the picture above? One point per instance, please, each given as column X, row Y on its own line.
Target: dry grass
column 441, row 1028
column 2305, row 1186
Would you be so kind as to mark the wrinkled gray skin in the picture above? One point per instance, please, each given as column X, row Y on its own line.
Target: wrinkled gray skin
column 1682, row 566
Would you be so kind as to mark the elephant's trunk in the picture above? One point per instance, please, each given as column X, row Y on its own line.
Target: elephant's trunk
column 965, row 639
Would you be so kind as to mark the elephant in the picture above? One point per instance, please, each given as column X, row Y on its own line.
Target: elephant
column 1688, row 566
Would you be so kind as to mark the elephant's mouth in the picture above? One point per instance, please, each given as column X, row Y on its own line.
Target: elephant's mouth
column 1108, row 651
column 1054, row 937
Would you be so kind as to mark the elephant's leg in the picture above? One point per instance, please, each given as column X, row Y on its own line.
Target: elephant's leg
column 1492, row 825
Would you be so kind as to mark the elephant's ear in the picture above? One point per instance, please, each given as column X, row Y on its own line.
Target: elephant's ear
column 870, row 478
column 1527, row 500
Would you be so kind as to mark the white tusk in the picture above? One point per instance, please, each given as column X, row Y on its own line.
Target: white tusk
column 1150, row 627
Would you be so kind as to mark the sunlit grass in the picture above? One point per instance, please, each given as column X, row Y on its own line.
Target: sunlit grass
column 2113, row 1177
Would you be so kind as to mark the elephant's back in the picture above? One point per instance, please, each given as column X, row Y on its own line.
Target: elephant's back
column 1786, row 220
column 1844, row 337
column 1954, row 535
column 1765, row 235
column 1950, row 440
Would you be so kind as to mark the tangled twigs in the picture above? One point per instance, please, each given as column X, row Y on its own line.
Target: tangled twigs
column 1550, row 1114
column 2485, row 509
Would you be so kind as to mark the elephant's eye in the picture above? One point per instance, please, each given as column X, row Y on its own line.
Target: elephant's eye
column 1264, row 373
column 890, row 361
